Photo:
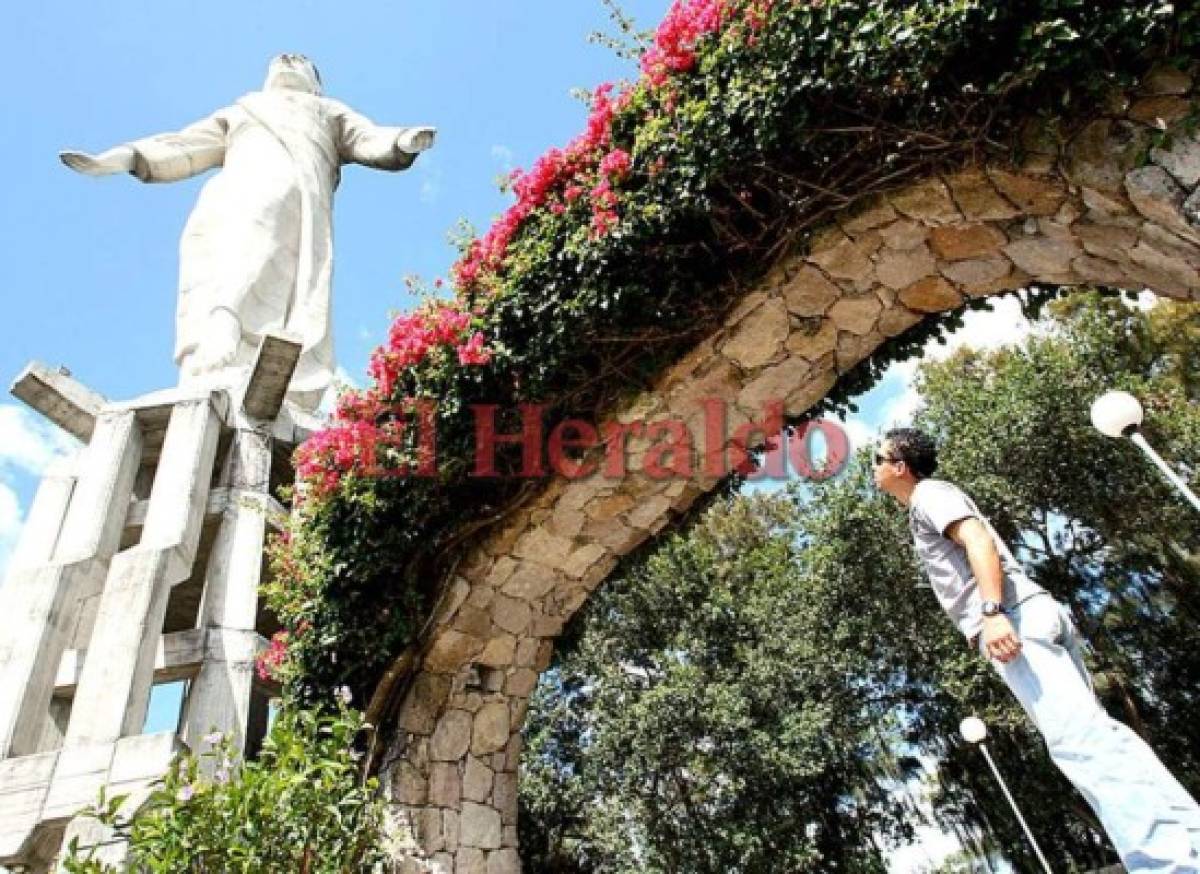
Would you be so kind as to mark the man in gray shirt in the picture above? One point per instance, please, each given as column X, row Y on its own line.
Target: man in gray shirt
column 1030, row 638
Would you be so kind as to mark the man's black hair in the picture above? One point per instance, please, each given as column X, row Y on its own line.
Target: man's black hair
column 915, row 448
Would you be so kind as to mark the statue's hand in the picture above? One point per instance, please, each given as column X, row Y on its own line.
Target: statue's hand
column 118, row 160
column 418, row 139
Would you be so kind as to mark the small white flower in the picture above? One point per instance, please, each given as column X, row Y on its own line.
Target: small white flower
column 185, row 793
column 344, row 695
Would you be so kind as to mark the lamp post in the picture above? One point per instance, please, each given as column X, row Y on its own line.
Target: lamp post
column 1119, row 414
column 974, row 731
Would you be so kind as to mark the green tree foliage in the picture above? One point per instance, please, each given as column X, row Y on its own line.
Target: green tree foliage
column 705, row 721
column 758, row 688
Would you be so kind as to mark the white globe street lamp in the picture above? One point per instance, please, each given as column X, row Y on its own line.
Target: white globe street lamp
column 1118, row 414
column 974, row 731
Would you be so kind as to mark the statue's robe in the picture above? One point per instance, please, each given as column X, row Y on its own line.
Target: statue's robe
column 260, row 239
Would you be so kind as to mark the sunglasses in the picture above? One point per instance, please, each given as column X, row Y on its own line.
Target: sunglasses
column 880, row 459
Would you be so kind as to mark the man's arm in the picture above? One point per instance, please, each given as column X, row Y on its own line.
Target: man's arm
column 999, row 637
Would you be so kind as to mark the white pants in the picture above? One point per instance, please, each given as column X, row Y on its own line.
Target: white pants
column 1150, row 818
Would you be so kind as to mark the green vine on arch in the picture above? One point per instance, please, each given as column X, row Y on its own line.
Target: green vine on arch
column 751, row 123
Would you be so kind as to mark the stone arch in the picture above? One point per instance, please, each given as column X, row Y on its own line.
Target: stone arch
column 1081, row 208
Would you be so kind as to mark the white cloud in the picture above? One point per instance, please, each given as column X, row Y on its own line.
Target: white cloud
column 929, row 849
column 430, row 173
column 931, row 845
column 983, row 330
column 1004, row 325
column 857, row 431
column 503, row 156
column 343, row 378
column 899, row 410
column 10, row 523
column 28, row 444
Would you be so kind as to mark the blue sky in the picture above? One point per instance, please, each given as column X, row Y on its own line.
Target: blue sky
column 91, row 264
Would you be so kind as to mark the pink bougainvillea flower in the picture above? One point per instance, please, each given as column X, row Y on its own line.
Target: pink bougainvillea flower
column 357, row 405
column 268, row 662
column 673, row 50
column 603, row 196
column 446, row 324
column 567, row 172
column 603, row 221
column 616, row 164
column 366, row 422
column 473, row 351
column 557, row 170
column 325, row 457
column 757, row 13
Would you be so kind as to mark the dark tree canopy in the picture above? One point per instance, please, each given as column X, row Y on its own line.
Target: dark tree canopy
column 751, row 696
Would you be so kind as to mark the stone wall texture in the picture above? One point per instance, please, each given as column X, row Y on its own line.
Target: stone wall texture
column 1083, row 208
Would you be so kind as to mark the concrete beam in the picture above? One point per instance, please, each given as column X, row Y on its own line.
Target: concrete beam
column 25, row 781
column 222, row 694
column 179, row 655
column 45, row 789
column 269, row 377
column 43, row 525
column 114, row 685
column 293, row 426
column 218, row 503
column 60, row 398
column 40, row 604
column 154, row 408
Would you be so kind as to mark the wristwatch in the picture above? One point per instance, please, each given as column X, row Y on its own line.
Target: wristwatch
column 992, row 608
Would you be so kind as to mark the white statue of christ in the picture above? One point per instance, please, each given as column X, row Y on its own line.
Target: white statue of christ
column 256, row 255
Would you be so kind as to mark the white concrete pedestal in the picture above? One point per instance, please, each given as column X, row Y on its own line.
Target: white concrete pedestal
column 140, row 562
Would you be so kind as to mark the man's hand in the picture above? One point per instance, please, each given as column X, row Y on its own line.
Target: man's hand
column 416, row 140
column 1000, row 639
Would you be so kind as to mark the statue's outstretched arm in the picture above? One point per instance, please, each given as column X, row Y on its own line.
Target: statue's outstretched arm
column 118, row 160
column 384, row 148
column 161, row 158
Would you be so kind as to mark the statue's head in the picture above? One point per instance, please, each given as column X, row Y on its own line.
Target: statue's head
column 293, row 72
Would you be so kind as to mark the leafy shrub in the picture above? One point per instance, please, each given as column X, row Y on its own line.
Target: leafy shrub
column 301, row 806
